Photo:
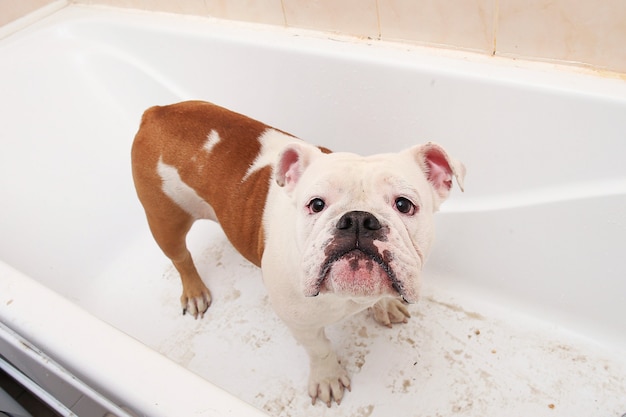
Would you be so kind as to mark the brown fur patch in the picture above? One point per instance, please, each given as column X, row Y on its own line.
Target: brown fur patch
column 177, row 134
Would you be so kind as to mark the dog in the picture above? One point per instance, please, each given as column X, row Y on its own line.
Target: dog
column 334, row 233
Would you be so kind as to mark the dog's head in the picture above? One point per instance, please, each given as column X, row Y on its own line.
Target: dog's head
column 364, row 224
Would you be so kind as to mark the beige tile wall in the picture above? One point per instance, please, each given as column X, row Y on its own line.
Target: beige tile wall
column 468, row 24
column 582, row 32
column 11, row 10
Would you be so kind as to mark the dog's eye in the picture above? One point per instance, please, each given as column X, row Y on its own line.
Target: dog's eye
column 316, row 205
column 405, row 206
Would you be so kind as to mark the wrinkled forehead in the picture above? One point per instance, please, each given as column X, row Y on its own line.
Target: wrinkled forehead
column 346, row 172
column 349, row 162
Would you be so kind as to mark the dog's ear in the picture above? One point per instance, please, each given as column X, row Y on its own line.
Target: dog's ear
column 439, row 167
column 292, row 162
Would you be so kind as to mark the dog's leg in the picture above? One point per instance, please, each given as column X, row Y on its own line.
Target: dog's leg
column 327, row 378
column 170, row 225
column 390, row 310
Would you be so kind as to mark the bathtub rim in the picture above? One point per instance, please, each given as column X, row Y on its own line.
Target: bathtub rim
column 31, row 18
column 540, row 74
column 40, row 315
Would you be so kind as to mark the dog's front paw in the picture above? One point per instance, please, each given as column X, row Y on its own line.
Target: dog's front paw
column 196, row 300
column 390, row 310
column 328, row 380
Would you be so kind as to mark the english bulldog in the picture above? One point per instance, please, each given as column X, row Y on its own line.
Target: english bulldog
column 334, row 233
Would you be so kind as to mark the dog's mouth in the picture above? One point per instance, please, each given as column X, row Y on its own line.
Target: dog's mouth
column 358, row 272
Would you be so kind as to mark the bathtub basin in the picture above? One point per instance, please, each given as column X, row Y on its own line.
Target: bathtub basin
column 524, row 303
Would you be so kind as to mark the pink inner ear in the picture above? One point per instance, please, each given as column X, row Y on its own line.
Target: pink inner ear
column 439, row 171
column 289, row 169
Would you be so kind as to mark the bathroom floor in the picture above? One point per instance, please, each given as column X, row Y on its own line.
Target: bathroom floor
column 455, row 356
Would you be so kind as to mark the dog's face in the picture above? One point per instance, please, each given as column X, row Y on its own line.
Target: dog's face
column 364, row 224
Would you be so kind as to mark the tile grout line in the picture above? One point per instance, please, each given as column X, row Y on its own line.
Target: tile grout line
column 494, row 34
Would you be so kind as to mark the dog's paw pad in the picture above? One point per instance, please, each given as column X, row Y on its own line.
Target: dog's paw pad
column 389, row 311
column 197, row 304
column 329, row 390
column 328, row 382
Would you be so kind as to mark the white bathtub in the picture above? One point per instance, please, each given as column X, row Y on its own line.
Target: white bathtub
column 524, row 304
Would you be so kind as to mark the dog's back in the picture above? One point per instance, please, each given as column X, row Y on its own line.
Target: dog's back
column 198, row 155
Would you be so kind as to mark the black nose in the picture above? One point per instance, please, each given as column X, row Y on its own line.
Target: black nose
column 358, row 220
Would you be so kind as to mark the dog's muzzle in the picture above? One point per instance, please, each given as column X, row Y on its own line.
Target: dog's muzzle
column 353, row 246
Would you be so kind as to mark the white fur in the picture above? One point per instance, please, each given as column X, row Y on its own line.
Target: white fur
column 213, row 138
column 297, row 239
column 182, row 194
column 272, row 143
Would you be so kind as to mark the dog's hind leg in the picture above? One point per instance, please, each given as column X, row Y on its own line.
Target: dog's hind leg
column 169, row 226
